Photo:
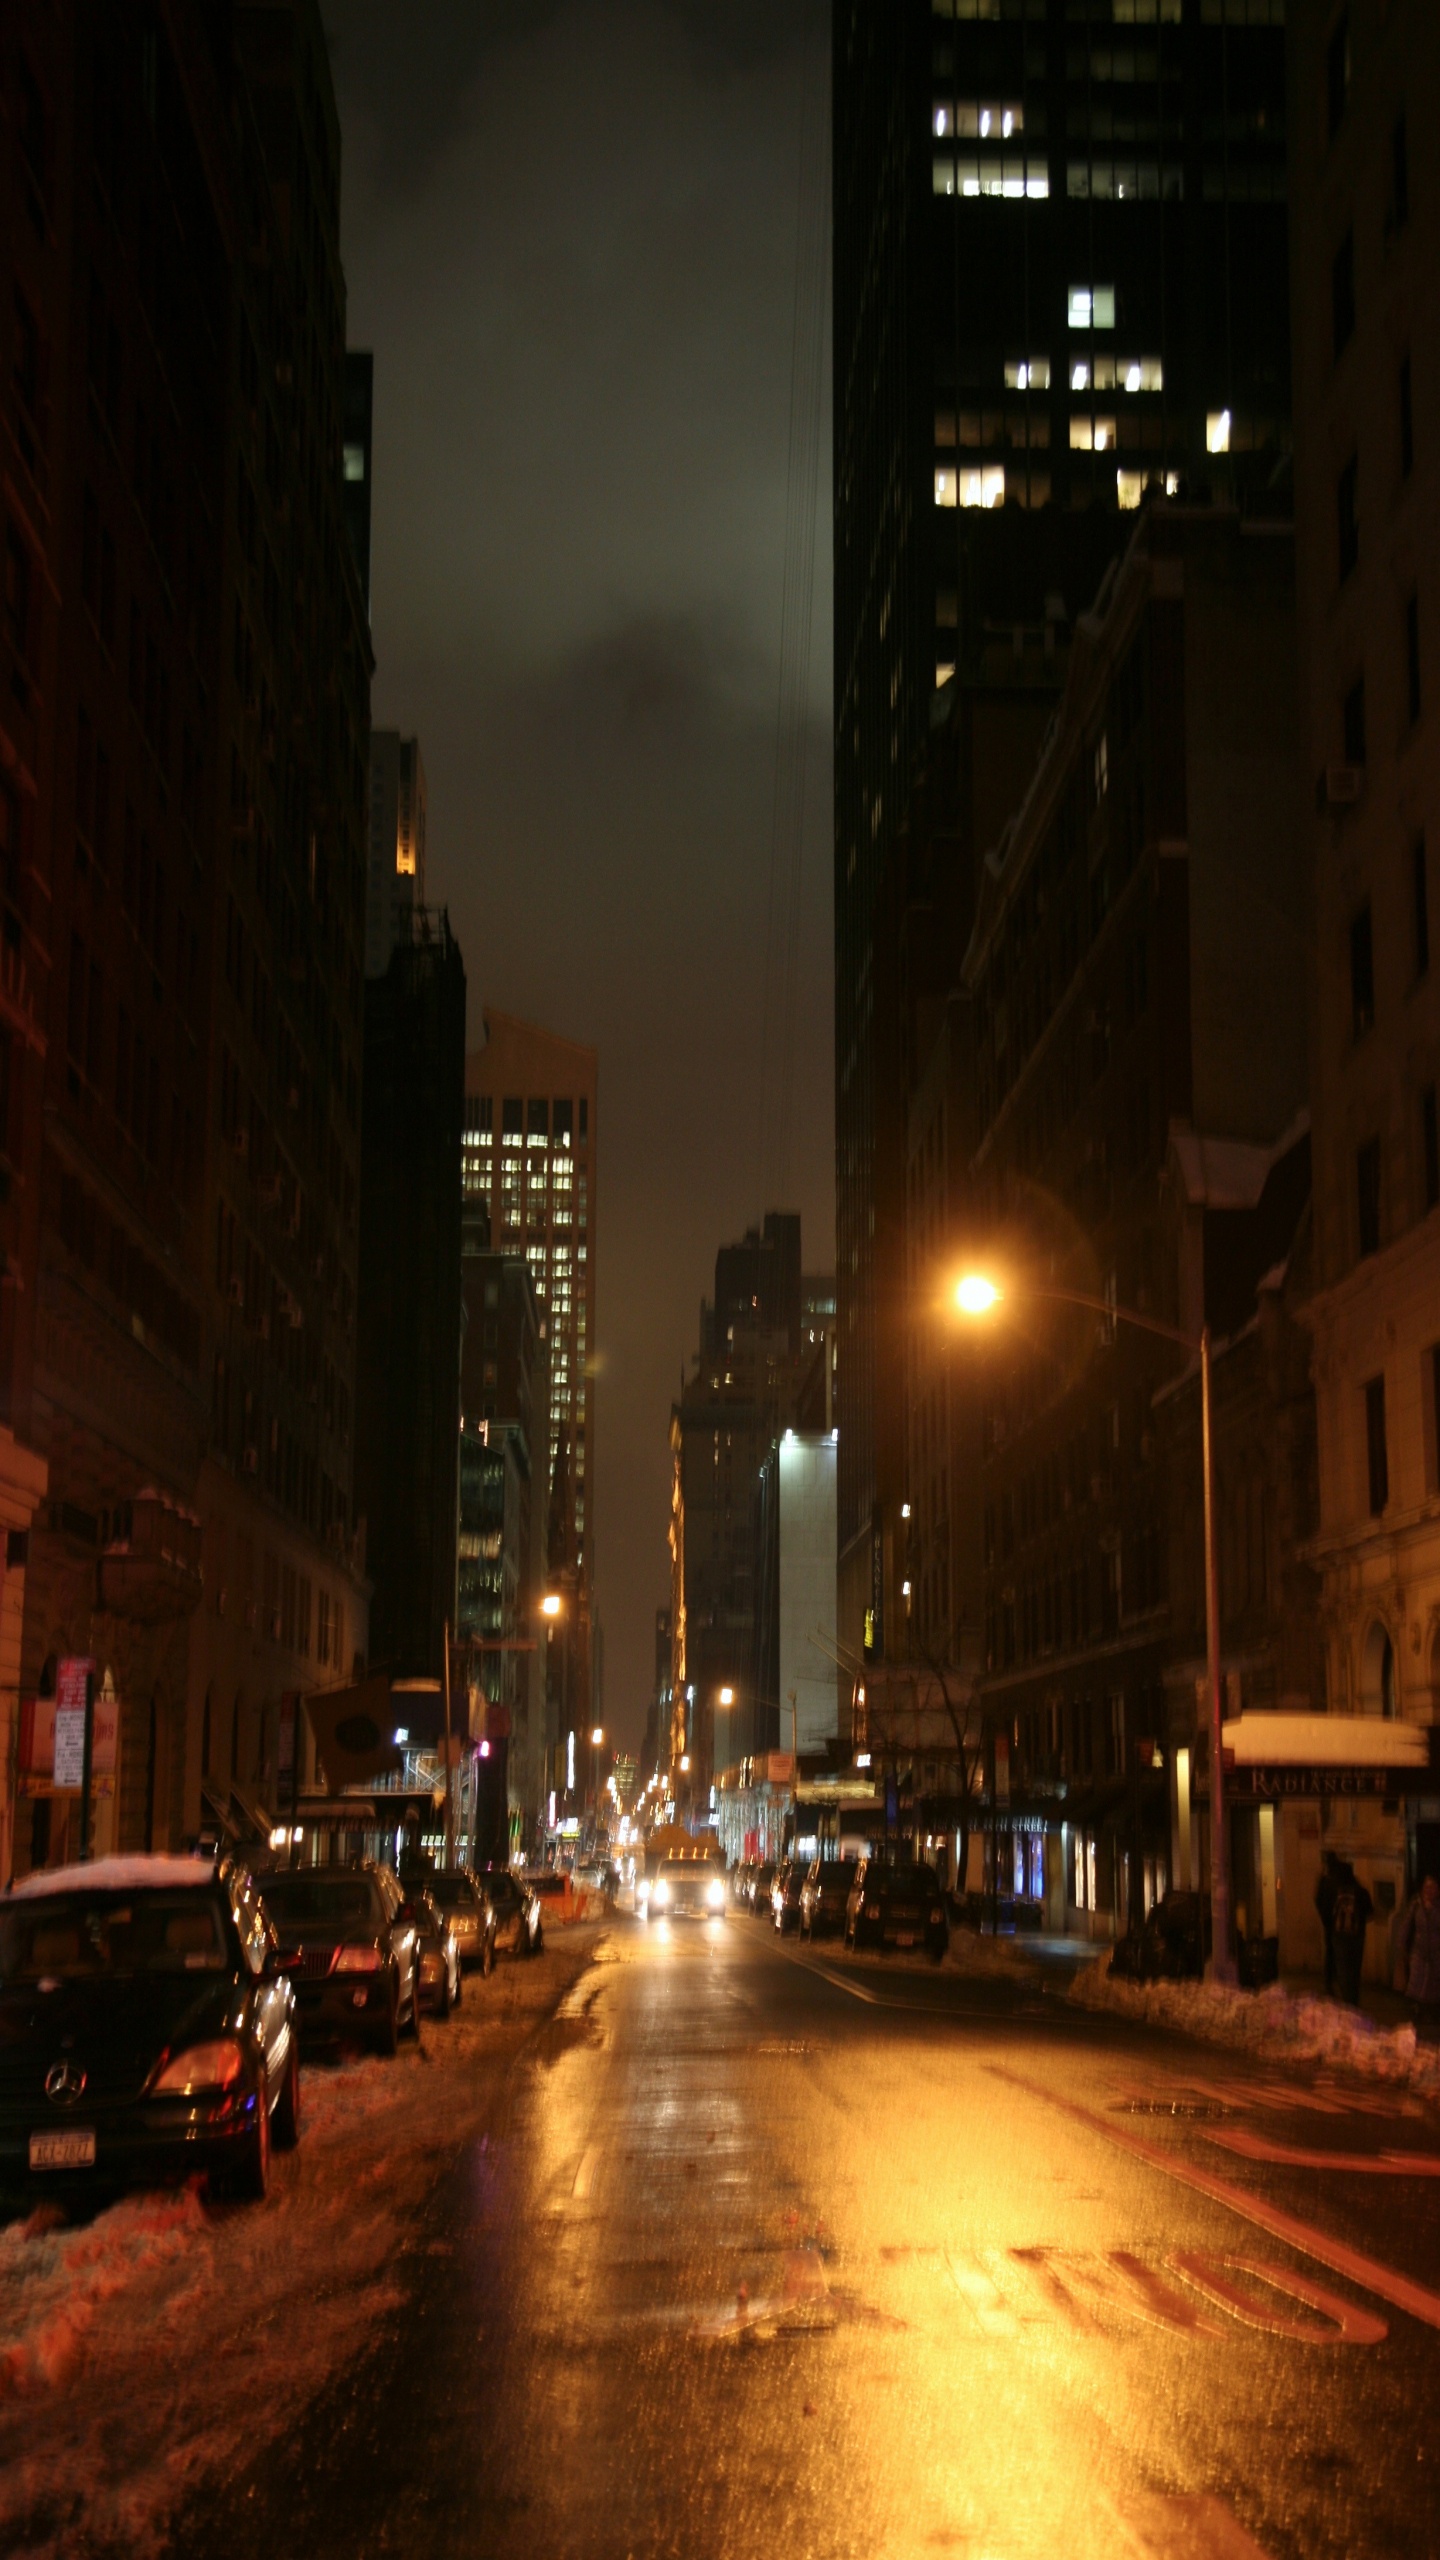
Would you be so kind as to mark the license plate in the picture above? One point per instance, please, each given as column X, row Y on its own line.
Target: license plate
column 72, row 2149
column 904, row 1937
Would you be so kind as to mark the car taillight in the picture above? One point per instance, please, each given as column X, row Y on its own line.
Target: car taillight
column 359, row 1960
column 202, row 2067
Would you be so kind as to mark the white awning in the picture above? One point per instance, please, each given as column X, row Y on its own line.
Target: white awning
column 1317, row 1742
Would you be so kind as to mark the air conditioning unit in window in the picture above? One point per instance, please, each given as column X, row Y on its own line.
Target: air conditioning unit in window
column 1344, row 785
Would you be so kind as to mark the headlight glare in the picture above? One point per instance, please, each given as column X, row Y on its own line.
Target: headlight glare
column 202, row 2067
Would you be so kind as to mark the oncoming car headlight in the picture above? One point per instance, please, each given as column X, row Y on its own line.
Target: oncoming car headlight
column 715, row 1894
column 659, row 1894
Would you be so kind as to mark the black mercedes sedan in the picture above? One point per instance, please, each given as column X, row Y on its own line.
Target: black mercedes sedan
column 351, row 1949
column 896, row 1904
column 145, row 2030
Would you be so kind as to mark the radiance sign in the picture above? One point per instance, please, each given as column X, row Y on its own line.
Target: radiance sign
column 1255, row 1783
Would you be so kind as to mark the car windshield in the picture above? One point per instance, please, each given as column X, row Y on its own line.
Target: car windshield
column 503, row 1891
column 832, row 1871
column 73, row 1936
column 320, row 1901
column 899, row 1879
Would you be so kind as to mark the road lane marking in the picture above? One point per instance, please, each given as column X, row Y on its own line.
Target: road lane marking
column 1290, row 2155
column 1369, row 2273
column 881, row 1999
column 1341, row 2323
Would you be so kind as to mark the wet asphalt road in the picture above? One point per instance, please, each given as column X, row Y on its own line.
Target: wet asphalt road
column 768, row 2252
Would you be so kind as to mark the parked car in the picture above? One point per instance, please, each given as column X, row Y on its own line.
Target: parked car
column 462, row 1897
column 897, row 1904
column 439, row 1951
column 823, row 1897
column 740, row 1875
column 516, row 1903
column 757, row 1892
column 145, row 2029
column 688, row 1888
column 785, row 1894
column 353, row 1957
column 1172, row 1944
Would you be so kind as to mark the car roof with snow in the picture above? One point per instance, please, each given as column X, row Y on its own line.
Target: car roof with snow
column 117, row 1875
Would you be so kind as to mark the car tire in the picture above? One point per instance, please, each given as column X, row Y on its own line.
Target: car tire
column 487, row 1958
column 251, row 2178
column 537, row 1943
column 285, row 2123
column 388, row 2036
column 459, row 1984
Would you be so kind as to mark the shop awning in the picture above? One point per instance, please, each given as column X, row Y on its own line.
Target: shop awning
column 1268, row 1756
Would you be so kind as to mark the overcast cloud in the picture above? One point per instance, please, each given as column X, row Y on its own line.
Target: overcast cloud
column 569, row 237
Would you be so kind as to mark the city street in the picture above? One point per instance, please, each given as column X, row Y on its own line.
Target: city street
column 752, row 2245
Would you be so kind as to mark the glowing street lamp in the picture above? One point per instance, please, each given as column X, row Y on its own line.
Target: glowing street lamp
column 976, row 1295
column 550, row 1605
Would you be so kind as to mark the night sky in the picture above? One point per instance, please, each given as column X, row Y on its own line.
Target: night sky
column 570, row 238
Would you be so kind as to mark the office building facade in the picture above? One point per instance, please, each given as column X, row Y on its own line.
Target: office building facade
column 1060, row 278
column 1365, row 84
column 530, row 1156
column 201, row 835
column 408, row 1405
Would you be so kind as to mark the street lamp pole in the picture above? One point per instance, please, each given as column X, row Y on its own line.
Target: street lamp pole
column 975, row 1296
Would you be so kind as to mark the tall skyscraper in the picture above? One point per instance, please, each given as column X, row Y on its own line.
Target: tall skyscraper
column 529, row 1153
column 407, row 1406
column 1365, row 88
column 1060, row 275
column 189, row 670
column 395, row 883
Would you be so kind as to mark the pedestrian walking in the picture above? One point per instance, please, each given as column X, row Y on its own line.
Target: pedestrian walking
column 1351, row 1912
column 1325, row 1905
column 1417, row 1948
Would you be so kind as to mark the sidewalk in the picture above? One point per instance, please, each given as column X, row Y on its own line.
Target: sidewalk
column 1291, row 2021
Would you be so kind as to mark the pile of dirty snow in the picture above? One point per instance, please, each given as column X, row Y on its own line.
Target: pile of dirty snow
column 972, row 1952
column 1274, row 2023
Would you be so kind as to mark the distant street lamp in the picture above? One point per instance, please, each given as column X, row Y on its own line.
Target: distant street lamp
column 550, row 1605
column 597, row 1736
column 978, row 1295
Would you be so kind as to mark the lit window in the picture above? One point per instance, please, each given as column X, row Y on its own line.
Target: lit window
column 1142, row 373
column 1217, row 431
column 354, row 462
column 1092, row 435
column 1092, row 306
column 943, row 674
column 1172, row 484
column 983, row 488
column 945, row 489
column 1028, row 373
column 1079, row 377
column 1129, row 488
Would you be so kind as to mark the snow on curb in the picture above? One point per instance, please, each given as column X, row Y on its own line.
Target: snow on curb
column 971, row 1952
column 53, row 2278
column 1274, row 2024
